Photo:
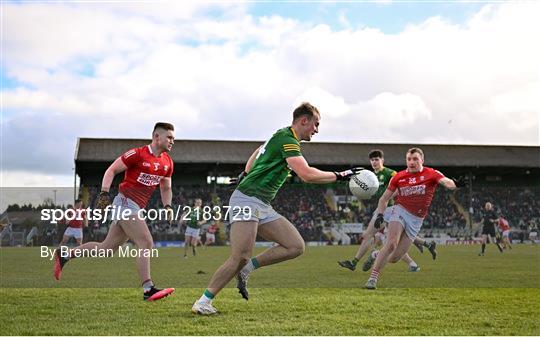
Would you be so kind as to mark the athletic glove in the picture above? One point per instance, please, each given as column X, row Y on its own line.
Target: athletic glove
column 237, row 180
column 347, row 174
column 461, row 181
column 378, row 221
column 169, row 214
column 103, row 200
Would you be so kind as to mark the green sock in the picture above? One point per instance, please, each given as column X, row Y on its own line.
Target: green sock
column 255, row 262
column 354, row 261
column 208, row 294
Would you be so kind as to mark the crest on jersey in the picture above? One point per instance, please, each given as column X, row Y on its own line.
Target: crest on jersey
column 156, row 166
column 412, row 180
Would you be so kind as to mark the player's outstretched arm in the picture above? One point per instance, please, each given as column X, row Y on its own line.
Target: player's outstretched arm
column 115, row 168
column 310, row 174
column 448, row 183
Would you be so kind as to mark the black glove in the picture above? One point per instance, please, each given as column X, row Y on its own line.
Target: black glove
column 103, row 200
column 378, row 221
column 169, row 215
column 461, row 182
column 237, row 180
column 347, row 174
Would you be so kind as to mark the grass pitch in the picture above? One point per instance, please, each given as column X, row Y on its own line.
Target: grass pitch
column 458, row 294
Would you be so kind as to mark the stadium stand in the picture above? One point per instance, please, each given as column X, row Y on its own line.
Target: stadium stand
column 505, row 175
column 307, row 208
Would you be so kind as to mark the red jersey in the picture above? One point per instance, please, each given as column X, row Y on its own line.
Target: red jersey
column 212, row 229
column 415, row 190
column 503, row 224
column 144, row 172
column 75, row 223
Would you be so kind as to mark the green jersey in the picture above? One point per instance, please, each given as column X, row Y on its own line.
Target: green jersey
column 384, row 176
column 269, row 170
column 194, row 218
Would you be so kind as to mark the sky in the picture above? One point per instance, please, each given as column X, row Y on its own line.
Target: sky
column 383, row 71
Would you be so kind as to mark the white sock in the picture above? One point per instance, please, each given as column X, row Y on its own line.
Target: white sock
column 413, row 264
column 374, row 254
column 204, row 299
column 148, row 285
column 249, row 267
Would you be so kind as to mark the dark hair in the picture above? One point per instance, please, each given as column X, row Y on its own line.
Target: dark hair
column 416, row 150
column 77, row 201
column 163, row 126
column 305, row 109
column 376, row 154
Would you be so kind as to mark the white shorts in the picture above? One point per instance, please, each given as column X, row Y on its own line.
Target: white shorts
column 411, row 223
column 73, row 232
column 194, row 232
column 246, row 208
column 122, row 203
column 533, row 234
column 506, row 233
column 386, row 215
column 380, row 236
column 210, row 237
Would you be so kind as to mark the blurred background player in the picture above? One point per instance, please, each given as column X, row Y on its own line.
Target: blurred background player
column 412, row 190
column 384, row 174
column 251, row 213
column 504, row 227
column 488, row 228
column 145, row 168
column 193, row 226
column 210, row 235
column 533, row 232
column 75, row 227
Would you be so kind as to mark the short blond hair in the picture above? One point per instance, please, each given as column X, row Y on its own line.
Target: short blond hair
column 416, row 150
column 305, row 109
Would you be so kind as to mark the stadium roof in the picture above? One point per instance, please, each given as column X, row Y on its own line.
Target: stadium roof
column 336, row 154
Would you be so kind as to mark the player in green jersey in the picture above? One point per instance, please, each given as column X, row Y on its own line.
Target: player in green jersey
column 193, row 220
column 250, row 213
column 384, row 174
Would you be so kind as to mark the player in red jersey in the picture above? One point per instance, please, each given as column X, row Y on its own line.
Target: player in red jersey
column 145, row 168
column 505, row 230
column 75, row 226
column 210, row 235
column 413, row 191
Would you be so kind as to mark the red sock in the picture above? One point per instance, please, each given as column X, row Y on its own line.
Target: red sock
column 374, row 274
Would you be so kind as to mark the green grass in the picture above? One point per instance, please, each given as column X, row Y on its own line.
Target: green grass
column 458, row 294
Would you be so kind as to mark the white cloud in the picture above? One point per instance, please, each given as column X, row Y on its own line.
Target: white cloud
column 328, row 104
column 397, row 110
column 113, row 70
